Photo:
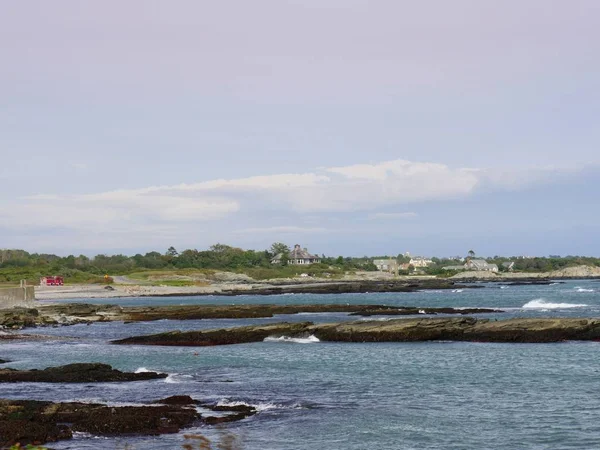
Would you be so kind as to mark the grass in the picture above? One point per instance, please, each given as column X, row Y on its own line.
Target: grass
column 180, row 283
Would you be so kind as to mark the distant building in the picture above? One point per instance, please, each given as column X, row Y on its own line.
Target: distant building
column 298, row 256
column 419, row 261
column 480, row 265
column 474, row 264
column 385, row 265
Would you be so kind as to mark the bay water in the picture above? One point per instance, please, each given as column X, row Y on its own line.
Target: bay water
column 318, row 395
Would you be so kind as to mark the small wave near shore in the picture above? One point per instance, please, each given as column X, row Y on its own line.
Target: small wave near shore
column 540, row 303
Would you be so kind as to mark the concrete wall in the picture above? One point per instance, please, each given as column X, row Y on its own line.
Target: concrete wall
column 21, row 296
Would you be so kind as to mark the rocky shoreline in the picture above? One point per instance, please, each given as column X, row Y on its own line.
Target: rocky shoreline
column 248, row 286
column 74, row 313
column 532, row 330
column 38, row 422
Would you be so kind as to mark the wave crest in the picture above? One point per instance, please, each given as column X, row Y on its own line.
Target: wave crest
column 540, row 303
column 306, row 340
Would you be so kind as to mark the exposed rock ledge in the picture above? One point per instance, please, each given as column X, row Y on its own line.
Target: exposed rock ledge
column 398, row 330
column 73, row 313
column 75, row 373
column 37, row 422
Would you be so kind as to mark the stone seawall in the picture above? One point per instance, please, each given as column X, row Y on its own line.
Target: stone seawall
column 19, row 296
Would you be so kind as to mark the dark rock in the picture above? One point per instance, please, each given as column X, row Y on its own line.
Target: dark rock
column 398, row 330
column 535, row 282
column 238, row 335
column 28, row 421
column 4, row 361
column 38, row 422
column 406, row 311
column 75, row 373
column 344, row 287
column 177, row 400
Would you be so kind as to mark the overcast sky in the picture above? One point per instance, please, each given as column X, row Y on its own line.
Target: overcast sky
column 348, row 126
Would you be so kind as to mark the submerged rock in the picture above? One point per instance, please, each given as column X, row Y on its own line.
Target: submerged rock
column 75, row 373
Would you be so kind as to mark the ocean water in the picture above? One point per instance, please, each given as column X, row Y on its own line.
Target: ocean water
column 311, row 394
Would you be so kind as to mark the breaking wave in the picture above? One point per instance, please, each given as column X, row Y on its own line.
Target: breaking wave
column 580, row 289
column 307, row 340
column 175, row 378
column 540, row 303
column 142, row 370
column 261, row 406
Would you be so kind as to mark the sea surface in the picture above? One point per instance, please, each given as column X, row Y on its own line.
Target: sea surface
column 318, row 395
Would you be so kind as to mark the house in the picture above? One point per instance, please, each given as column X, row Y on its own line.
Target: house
column 298, row 256
column 419, row 261
column 480, row 265
column 385, row 265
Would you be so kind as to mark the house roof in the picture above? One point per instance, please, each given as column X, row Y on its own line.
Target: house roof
column 301, row 253
column 383, row 261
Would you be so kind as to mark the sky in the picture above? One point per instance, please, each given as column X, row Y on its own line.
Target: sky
column 350, row 127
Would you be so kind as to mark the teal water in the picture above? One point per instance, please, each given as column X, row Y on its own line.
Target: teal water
column 435, row 395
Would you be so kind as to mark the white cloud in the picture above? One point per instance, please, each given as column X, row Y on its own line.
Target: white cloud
column 282, row 230
column 398, row 215
column 266, row 201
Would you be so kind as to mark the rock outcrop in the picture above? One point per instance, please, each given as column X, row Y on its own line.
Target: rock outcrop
column 75, row 373
column 74, row 313
column 535, row 330
column 38, row 422
column 226, row 336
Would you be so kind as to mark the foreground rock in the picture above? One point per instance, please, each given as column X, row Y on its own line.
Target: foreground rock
column 398, row 330
column 75, row 373
column 37, row 422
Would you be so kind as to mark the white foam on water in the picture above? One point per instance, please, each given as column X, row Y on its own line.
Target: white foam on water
column 142, row 370
column 580, row 289
column 457, row 290
column 504, row 287
column 540, row 303
column 261, row 406
column 422, row 311
column 307, row 340
column 175, row 378
column 376, row 319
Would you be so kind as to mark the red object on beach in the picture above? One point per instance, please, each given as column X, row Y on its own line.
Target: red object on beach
column 51, row 281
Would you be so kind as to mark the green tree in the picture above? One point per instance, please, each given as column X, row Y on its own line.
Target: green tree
column 172, row 252
column 278, row 248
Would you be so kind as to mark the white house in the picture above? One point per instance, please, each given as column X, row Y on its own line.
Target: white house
column 419, row 261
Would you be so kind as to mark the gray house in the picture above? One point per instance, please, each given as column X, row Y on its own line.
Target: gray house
column 474, row 264
column 298, row 256
column 385, row 265
column 480, row 265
